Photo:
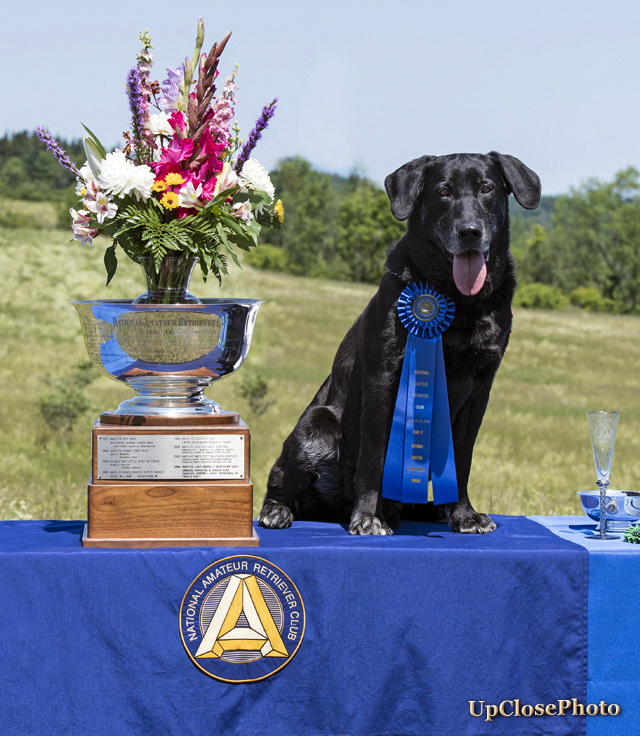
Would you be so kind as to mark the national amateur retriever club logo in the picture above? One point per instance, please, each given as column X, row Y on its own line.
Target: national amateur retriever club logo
column 242, row 619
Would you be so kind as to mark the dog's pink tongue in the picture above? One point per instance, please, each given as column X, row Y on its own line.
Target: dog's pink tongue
column 469, row 272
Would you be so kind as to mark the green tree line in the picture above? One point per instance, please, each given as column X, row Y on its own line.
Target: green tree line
column 582, row 248
column 29, row 172
column 336, row 227
column 588, row 253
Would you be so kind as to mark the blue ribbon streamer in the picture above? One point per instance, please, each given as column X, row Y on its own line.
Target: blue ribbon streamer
column 421, row 444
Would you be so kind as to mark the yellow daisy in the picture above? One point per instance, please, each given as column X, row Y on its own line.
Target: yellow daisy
column 279, row 210
column 159, row 185
column 169, row 200
column 173, row 179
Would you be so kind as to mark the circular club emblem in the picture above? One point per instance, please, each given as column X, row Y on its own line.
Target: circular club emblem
column 242, row 619
column 426, row 308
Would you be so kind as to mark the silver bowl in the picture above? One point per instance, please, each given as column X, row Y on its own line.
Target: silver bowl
column 622, row 508
column 168, row 353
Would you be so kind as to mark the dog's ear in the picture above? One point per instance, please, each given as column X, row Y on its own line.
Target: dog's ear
column 519, row 178
column 405, row 185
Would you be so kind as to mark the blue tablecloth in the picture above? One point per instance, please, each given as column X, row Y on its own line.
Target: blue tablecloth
column 402, row 632
column 614, row 623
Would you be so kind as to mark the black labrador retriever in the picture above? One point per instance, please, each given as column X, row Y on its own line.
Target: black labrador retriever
column 457, row 240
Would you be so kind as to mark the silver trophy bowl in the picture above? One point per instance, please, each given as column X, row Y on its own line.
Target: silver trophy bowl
column 168, row 353
column 622, row 508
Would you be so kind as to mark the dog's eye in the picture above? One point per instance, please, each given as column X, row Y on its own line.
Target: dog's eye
column 444, row 192
column 486, row 189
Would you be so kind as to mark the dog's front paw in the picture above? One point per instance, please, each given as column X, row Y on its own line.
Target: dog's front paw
column 471, row 522
column 275, row 515
column 366, row 524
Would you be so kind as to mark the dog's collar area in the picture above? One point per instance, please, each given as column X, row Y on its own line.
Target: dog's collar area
column 406, row 276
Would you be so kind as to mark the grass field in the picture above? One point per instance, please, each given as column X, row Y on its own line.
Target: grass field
column 532, row 455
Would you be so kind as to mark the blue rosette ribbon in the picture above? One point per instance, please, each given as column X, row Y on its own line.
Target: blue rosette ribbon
column 421, row 445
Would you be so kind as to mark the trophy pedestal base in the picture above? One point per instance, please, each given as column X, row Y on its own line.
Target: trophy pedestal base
column 149, row 542
column 170, row 486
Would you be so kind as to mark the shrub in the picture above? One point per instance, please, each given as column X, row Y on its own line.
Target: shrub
column 17, row 220
column 66, row 401
column 589, row 298
column 268, row 258
column 255, row 390
column 540, row 296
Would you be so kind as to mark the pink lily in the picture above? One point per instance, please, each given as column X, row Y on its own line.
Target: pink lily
column 81, row 226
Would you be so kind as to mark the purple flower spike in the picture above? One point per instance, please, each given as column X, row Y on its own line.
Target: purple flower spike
column 58, row 151
column 256, row 134
column 137, row 103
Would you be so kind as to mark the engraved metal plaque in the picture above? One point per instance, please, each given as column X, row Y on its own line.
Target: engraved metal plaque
column 170, row 457
column 167, row 337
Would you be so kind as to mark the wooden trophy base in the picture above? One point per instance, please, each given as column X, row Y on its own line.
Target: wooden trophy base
column 149, row 542
column 170, row 485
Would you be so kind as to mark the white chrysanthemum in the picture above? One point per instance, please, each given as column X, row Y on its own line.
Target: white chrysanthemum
column 159, row 125
column 120, row 176
column 255, row 176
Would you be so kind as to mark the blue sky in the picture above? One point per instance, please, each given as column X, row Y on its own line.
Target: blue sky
column 361, row 84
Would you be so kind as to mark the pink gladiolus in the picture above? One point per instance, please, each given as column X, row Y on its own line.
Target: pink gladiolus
column 178, row 150
column 177, row 121
column 171, row 157
column 207, row 161
column 208, row 188
column 222, row 113
column 219, row 122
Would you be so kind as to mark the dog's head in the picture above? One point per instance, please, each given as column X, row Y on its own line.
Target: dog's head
column 459, row 203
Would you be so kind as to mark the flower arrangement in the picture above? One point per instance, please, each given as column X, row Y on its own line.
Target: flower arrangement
column 184, row 184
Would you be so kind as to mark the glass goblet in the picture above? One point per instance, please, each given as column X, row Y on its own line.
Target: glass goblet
column 602, row 427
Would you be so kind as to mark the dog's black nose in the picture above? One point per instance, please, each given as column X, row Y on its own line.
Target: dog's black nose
column 469, row 232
